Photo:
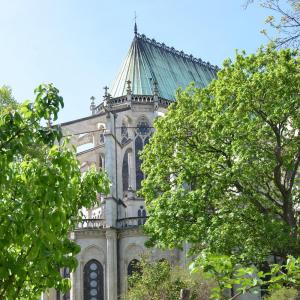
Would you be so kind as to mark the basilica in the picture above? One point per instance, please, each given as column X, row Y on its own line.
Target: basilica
column 111, row 233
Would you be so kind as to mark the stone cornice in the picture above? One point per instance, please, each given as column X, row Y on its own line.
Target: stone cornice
column 90, row 232
column 105, row 233
column 130, row 232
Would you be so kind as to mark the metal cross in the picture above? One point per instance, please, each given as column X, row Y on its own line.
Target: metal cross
column 135, row 16
column 135, row 26
column 106, row 89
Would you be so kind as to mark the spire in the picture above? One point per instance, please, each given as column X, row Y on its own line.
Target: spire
column 170, row 68
column 135, row 26
column 93, row 106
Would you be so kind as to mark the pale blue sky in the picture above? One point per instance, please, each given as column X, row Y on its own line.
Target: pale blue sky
column 80, row 45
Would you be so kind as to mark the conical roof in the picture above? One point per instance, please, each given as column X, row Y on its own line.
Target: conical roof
column 148, row 61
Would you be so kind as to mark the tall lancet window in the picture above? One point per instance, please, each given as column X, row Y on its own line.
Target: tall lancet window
column 142, row 135
column 125, row 171
column 93, row 281
column 142, row 216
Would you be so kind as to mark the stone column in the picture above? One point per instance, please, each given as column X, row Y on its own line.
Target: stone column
column 111, row 266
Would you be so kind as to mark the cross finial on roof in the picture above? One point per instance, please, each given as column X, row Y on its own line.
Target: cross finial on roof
column 135, row 26
column 106, row 89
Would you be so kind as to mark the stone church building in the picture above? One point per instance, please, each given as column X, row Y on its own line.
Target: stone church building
column 110, row 234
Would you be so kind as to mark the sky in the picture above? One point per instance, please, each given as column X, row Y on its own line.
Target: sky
column 80, row 45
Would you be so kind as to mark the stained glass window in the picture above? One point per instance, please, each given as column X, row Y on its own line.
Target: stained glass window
column 93, row 281
column 143, row 127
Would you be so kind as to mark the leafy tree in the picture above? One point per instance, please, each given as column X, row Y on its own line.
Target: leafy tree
column 280, row 280
column 160, row 281
column 6, row 98
column 222, row 167
column 41, row 192
column 285, row 19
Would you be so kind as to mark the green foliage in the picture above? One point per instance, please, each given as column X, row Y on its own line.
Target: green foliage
column 283, row 294
column 160, row 281
column 228, row 274
column 285, row 20
column 222, row 164
column 41, row 192
column 6, row 98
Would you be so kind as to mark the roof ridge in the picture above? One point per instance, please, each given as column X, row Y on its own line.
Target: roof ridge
column 177, row 52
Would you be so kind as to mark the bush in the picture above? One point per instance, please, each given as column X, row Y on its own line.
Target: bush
column 283, row 294
column 161, row 281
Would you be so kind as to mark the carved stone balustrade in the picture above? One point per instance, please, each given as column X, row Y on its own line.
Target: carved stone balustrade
column 121, row 223
column 131, row 222
column 91, row 223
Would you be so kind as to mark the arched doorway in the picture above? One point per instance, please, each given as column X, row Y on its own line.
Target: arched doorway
column 93, row 281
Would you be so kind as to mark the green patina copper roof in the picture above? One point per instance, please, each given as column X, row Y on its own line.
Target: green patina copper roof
column 148, row 61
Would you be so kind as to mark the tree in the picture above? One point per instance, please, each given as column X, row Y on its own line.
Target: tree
column 284, row 294
column 285, row 20
column 161, row 281
column 6, row 98
column 41, row 192
column 280, row 280
column 222, row 168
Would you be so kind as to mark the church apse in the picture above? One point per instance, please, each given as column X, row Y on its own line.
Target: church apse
column 116, row 131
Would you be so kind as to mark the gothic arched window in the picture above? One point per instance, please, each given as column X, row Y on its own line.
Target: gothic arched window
column 142, row 216
column 133, row 267
column 93, row 280
column 142, row 134
column 125, row 171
